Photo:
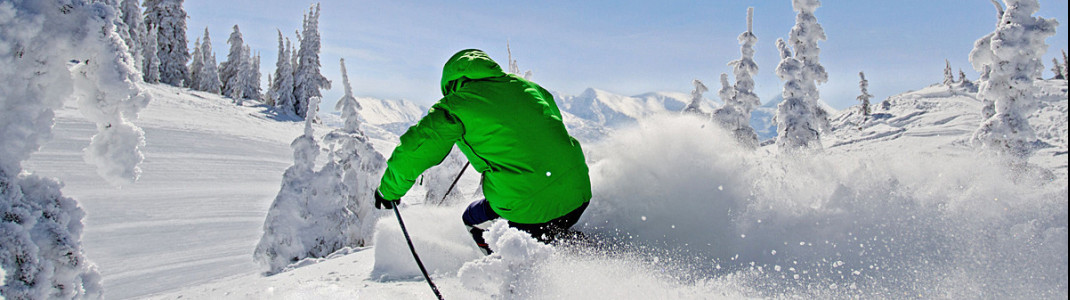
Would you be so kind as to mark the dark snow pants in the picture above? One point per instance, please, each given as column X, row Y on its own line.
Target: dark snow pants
column 480, row 211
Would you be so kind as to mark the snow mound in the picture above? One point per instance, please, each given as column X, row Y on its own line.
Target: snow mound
column 507, row 271
column 438, row 235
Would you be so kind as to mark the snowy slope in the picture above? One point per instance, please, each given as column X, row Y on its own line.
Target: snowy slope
column 899, row 207
column 210, row 171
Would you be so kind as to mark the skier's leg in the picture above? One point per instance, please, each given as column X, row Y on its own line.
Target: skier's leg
column 477, row 213
column 547, row 232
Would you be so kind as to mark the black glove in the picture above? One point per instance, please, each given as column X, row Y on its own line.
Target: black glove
column 382, row 203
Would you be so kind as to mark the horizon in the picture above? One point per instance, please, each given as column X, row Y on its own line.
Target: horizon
column 396, row 50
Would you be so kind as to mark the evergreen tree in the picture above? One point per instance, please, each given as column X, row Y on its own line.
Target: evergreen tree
column 1066, row 68
column 135, row 37
column 169, row 19
column 252, row 76
column 982, row 58
column 1057, row 69
column 228, row 70
column 208, row 79
column 151, row 73
column 307, row 77
column 195, row 65
column 736, row 113
column 696, row 98
column 282, row 88
column 1016, row 47
column 800, row 119
column 41, row 229
column 949, row 77
column 863, row 85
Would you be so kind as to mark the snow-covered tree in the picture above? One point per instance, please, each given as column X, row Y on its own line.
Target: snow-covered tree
column 1066, row 68
column 982, row 58
column 230, row 69
column 949, row 77
column 1057, row 69
column 740, row 99
column 361, row 166
column 287, row 237
column 796, row 123
column 514, row 68
column 319, row 212
column 863, row 85
column 208, row 75
column 1016, row 46
column 694, row 107
column 307, row 77
column 151, row 66
column 40, row 232
column 196, row 62
column 803, row 119
column 282, row 86
column 135, row 26
column 169, row 19
column 251, row 68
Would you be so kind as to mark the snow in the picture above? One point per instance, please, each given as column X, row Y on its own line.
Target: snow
column 897, row 204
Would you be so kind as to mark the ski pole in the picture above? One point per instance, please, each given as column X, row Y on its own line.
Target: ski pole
column 417, row 257
column 455, row 180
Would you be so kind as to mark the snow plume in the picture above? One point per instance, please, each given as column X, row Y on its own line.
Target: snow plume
column 319, row 212
column 41, row 229
column 1015, row 50
column 828, row 225
column 507, row 273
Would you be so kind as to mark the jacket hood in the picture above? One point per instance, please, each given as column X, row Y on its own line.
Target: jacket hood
column 468, row 64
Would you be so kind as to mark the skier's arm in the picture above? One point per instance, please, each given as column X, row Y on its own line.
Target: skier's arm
column 424, row 145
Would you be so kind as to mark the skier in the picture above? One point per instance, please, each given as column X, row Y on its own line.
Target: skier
column 510, row 129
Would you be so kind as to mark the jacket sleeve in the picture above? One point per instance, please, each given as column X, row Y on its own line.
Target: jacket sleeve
column 424, row 145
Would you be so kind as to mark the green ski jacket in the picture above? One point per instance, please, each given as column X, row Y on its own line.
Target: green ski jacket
column 511, row 131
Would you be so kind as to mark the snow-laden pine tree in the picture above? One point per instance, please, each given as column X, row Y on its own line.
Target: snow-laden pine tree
column 232, row 67
column 287, row 237
column 307, row 77
column 694, row 107
column 208, row 76
column 282, row 88
column 1066, row 67
column 514, row 68
column 796, row 128
column 1016, row 47
column 240, row 84
column 151, row 71
column 1057, row 69
column 360, row 165
column 742, row 100
column 982, row 58
column 864, row 97
column 251, row 70
column 169, row 19
column 803, row 119
column 135, row 26
column 40, row 232
column 196, row 62
column 949, row 76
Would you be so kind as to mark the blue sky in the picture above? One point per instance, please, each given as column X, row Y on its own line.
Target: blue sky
column 395, row 49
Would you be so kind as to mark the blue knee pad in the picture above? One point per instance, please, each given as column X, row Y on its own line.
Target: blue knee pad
column 478, row 212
